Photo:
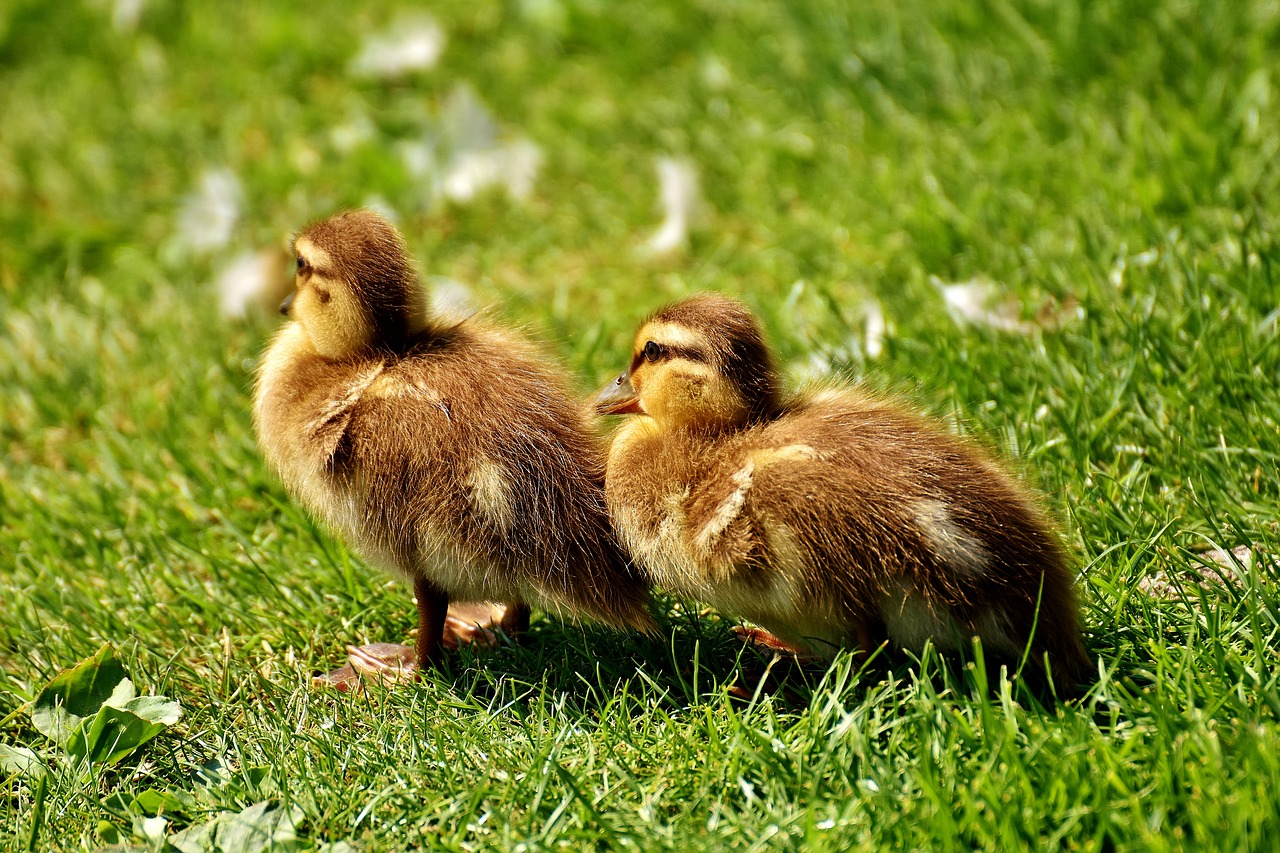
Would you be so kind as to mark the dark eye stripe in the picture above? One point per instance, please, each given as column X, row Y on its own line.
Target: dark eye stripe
column 669, row 352
column 685, row 353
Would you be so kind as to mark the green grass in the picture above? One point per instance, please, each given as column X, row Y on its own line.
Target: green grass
column 1125, row 155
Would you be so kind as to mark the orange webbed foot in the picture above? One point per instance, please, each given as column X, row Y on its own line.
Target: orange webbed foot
column 466, row 624
column 767, row 643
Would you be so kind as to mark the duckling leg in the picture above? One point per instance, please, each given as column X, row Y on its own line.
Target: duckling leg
column 387, row 662
column 433, row 613
column 441, row 627
column 515, row 621
column 392, row 663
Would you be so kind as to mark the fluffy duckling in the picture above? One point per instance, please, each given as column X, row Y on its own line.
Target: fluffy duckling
column 831, row 519
column 448, row 453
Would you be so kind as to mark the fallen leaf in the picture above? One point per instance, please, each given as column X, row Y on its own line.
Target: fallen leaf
column 20, row 761
column 114, row 732
column 1216, row 566
column 261, row 826
column 92, row 710
column 78, row 693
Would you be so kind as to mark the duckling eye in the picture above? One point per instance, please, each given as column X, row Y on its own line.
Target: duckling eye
column 302, row 265
column 652, row 351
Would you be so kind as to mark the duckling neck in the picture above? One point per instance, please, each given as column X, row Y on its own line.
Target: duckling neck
column 643, row 444
column 712, row 426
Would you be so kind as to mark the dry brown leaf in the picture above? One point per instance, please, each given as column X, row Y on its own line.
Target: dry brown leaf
column 1216, row 567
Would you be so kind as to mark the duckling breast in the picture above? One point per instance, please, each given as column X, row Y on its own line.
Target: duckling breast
column 303, row 408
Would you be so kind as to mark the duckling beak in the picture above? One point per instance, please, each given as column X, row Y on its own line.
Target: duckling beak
column 288, row 303
column 619, row 398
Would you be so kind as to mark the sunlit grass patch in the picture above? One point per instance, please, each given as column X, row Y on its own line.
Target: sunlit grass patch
column 1106, row 172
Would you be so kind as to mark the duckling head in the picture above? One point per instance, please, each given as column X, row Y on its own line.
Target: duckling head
column 355, row 289
column 699, row 364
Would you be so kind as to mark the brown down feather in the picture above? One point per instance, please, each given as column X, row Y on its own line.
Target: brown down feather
column 830, row 518
column 452, row 453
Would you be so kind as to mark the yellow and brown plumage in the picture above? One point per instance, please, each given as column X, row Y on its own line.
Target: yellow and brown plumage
column 448, row 453
column 832, row 519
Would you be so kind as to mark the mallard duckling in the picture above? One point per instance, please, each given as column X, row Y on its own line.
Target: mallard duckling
column 832, row 519
column 447, row 453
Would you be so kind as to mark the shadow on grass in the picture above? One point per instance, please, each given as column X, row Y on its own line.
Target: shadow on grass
column 692, row 661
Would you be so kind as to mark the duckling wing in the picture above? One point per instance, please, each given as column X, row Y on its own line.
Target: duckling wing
column 331, row 414
column 810, row 501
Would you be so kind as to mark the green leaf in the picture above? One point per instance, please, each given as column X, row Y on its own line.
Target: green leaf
column 93, row 710
column 112, row 734
column 108, row 832
column 154, row 802
column 21, row 761
column 74, row 694
column 256, row 775
column 156, row 709
column 261, row 826
column 123, row 694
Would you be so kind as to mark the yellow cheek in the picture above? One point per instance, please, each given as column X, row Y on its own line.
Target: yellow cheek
column 722, row 402
column 691, row 395
column 337, row 328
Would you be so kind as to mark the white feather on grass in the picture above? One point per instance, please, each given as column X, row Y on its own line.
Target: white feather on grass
column 125, row 15
column 511, row 166
column 875, row 329
column 208, row 216
column 978, row 302
column 682, row 207
column 479, row 159
column 981, row 302
column 411, row 44
column 1215, row 568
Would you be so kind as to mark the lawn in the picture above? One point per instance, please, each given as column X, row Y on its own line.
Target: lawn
column 1105, row 174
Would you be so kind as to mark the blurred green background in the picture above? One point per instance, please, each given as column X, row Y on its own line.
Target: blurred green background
column 1053, row 223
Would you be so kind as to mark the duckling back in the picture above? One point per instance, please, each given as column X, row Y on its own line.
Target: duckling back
column 957, row 548
column 845, row 521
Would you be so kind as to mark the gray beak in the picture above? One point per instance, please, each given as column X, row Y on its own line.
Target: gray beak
column 619, row 398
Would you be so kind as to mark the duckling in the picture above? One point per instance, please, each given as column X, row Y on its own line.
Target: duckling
column 447, row 453
column 831, row 519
